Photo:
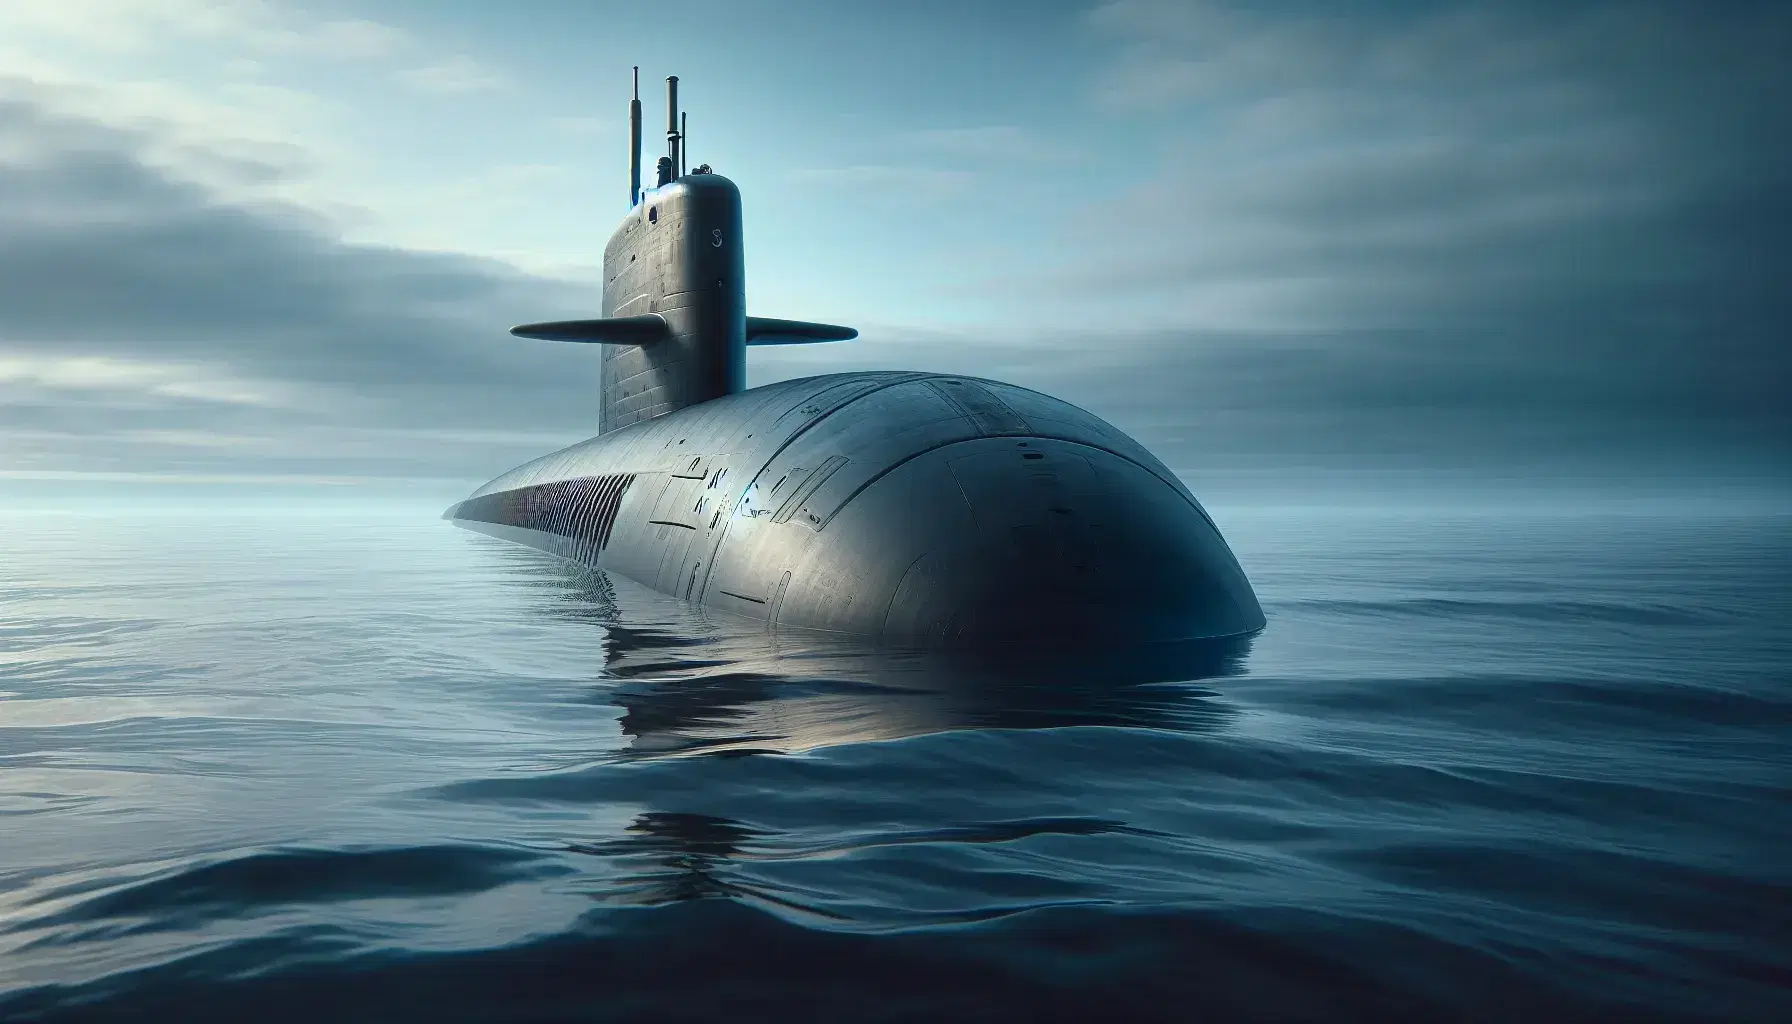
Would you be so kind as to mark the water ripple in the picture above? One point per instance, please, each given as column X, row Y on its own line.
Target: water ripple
column 280, row 769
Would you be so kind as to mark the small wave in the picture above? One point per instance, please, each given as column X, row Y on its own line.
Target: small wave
column 1628, row 613
column 1596, row 883
column 1544, row 701
column 722, row 959
column 988, row 832
column 698, row 833
column 252, row 883
column 46, row 631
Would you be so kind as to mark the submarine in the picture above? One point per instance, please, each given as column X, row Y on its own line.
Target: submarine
column 904, row 508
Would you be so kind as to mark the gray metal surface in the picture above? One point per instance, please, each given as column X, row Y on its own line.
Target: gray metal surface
column 906, row 507
column 677, row 254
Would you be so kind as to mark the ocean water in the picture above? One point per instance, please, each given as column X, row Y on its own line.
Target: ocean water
column 343, row 765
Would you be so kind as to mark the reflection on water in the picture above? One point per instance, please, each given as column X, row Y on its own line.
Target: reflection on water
column 702, row 682
column 667, row 857
column 692, row 681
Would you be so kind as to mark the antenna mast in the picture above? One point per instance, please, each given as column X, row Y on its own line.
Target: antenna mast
column 634, row 143
column 684, row 139
column 672, row 136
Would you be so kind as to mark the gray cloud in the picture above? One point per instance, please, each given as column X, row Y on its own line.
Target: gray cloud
column 1470, row 236
column 1545, row 232
column 1470, row 401
column 138, row 306
column 1441, row 163
column 1538, row 236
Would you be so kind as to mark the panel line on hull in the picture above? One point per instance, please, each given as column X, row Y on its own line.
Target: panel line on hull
column 987, row 412
column 777, row 604
column 818, row 476
column 887, row 470
column 894, row 378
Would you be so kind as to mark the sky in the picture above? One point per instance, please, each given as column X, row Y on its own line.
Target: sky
column 251, row 241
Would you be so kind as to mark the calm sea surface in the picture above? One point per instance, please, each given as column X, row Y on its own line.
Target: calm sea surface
column 366, row 766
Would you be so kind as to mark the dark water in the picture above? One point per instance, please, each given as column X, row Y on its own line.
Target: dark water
column 370, row 767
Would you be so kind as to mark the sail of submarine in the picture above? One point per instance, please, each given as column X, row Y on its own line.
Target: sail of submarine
column 907, row 508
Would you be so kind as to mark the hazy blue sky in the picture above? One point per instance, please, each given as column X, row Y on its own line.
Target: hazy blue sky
column 266, row 240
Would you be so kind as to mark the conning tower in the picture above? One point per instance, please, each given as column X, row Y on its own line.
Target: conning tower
column 674, row 325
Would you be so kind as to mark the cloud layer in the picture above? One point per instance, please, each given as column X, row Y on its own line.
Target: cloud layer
column 1469, row 236
column 1454, row 231
column 136, row 307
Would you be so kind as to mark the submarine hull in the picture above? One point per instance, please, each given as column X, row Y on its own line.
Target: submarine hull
column 905, row 508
